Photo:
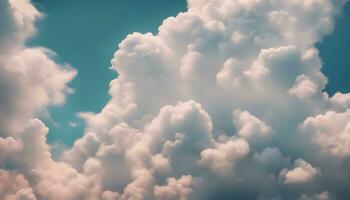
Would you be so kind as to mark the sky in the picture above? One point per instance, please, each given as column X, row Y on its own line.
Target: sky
column 176, row 100
column 334, row 55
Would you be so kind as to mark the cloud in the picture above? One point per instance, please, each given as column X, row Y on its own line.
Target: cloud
column 30, row 75
column 214, row 106
column 249, row 127
column 174, row 189
column 330, row 132
column 30, row 80
column 17, row 19
column 303, row 88
column 322, row 196
column 15, row 187
column 72, row 124
column 303, row 172
column 222, row 158
column 271, row 158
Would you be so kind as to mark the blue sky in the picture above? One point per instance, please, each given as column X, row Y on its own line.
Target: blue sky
column 334, row 55
column 86, row 34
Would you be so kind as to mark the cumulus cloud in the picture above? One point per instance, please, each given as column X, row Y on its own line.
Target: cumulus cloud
column 330, row 132
column 303, row 88
column 30, row 80
column 17, row 20
column 174, row 189
column 14, row 187
column 322, row 196
column 30, row 75
column 249, row 127
column 222, row 158
column 214, row 106
column 302, row 172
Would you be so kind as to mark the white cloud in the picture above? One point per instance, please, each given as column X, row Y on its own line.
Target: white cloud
column 72, row 124
column 303, row 172
column 171, row 109
column 303, row 88
column 14, row 187
column 322, row 196
column 17, row 19
column 174, row 189
column 329, row 131
column 340, row 101
column 222, row 158
column 169, row 121
column 30, row 80
column 30, row 75
column 249, row 127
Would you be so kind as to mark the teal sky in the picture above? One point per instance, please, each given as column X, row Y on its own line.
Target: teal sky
column 85, row 34
column 336, row 56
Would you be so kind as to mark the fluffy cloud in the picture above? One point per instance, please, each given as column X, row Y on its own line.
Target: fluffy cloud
column 212, row 107
column 17, row 20
column 322, row 196
column 221, row 159
column 30, row 75
column 302, row 172
column 30, row 80
column 249, row 127
column 174, row 189
column 303, row 88
column 330, row 131
column 14, row 187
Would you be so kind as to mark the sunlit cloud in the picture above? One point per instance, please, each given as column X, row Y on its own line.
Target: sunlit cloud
column 227, row 101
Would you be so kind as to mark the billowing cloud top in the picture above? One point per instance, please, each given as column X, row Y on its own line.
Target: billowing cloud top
column 225, row 102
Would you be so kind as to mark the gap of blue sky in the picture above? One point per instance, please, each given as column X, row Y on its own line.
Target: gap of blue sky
column 336, row 56
column 86, row 33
